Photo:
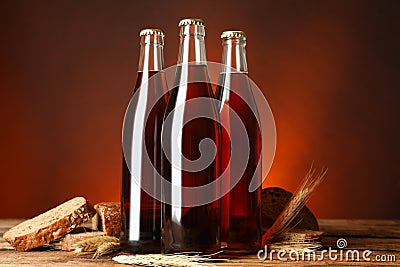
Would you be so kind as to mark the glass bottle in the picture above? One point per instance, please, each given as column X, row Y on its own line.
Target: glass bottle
column 140, row 210
column 188, row 227
column 241, row 209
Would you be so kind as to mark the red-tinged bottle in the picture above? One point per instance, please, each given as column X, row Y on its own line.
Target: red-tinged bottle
column 140, row 209
column 192, row 135
column 241, row 209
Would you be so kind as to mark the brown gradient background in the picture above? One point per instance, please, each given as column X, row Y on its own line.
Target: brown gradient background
column 330, row 70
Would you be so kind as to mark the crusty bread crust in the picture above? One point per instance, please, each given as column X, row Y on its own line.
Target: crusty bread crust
column 46, row 227
column 107, row 218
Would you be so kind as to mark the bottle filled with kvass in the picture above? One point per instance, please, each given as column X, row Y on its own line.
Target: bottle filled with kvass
column 241, row 209
column 140, row 208
column 191, row 155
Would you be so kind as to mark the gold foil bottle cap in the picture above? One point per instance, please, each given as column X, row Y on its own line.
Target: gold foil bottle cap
column 151, row 31
column 184, row 22
column 233, row 34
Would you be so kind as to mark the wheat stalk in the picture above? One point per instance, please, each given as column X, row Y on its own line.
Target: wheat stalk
column 293, row 207
column 92, row 244
column 171, row 260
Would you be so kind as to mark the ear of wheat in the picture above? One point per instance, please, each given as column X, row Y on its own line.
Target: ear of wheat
column 101, row 244
column 171, row 260
column 293, row 207
column 106, row 248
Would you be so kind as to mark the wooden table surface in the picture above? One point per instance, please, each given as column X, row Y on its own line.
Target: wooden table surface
column 381, row 237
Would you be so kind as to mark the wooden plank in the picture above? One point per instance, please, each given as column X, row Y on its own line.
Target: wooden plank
column 50, row 258
column 381, row 237
column 60, row 258
column 363, row 228
column 362, row 243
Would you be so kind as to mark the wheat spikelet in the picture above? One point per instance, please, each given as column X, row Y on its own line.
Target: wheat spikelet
column 92, row 244
column 106, row 248
column 172, row 260
column 293, row 207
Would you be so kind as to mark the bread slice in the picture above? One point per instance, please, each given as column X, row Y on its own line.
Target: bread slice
column 274, row 200
column 107, row 218
column 48, row 226
column 67, row 243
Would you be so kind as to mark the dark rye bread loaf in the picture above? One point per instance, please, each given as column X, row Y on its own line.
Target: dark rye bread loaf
column 51, row 225
column 274, row 200
column 107, row 218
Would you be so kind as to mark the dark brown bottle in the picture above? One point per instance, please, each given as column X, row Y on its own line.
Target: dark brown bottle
column 241, row 209
column 141, row 186
column 189, row 227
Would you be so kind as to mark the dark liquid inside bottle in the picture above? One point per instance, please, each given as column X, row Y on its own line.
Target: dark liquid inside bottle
column 188, row 229
column 240, row 227
column 148, row 225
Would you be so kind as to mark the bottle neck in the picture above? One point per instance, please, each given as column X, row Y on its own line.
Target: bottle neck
column 151, row 53
column 234, row 55
column 192, row 47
